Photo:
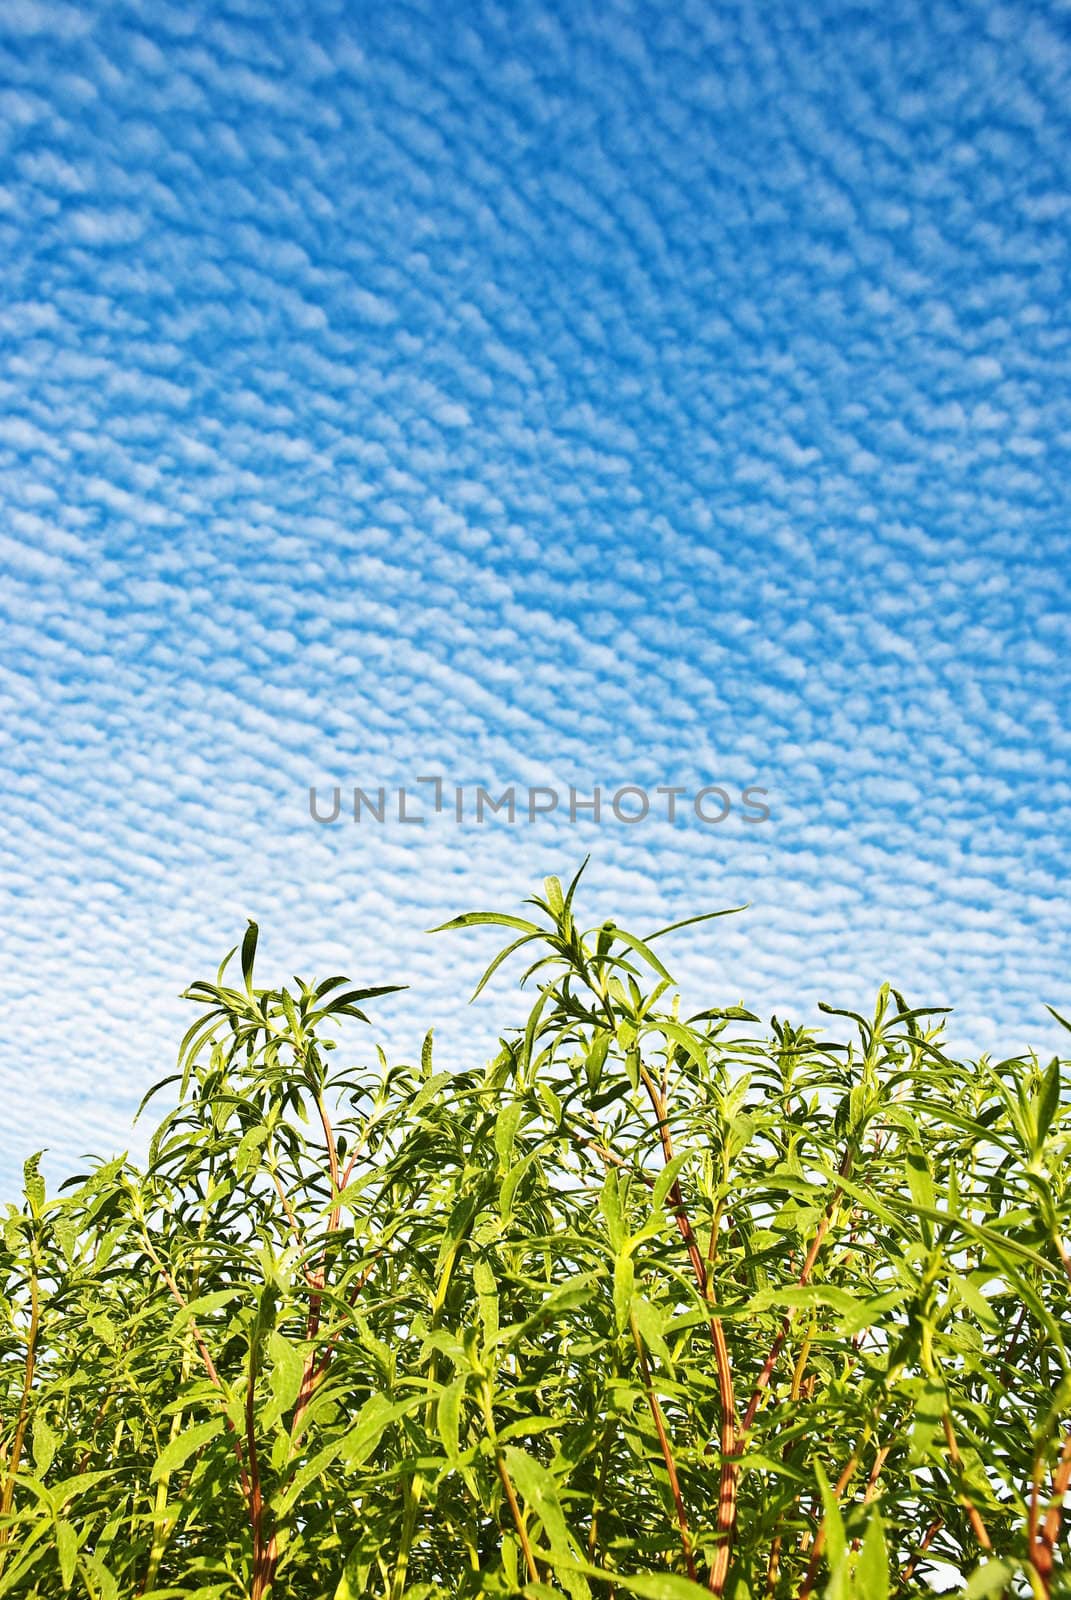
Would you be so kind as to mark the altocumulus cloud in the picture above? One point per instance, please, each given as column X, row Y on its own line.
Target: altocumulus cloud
column 551, row 395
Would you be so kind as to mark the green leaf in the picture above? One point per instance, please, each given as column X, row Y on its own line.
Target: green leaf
column 872, row 1566
column 1048, row 1100
column 537, row 1486
column 807, row 1296
column 641, row 949
column 564, row 1297
column 175, row 1454
column 991, row 1578
column 448, row 1417
column 624, row 1279
column 975, row 1300
column 479, row 919
column 865, row 1313
column 552, row 888
column 428, row 1092
column 249, row 950
column 512, row 1182
column 920, row 1182
column 33, row 1183
column 660, row 1586
column 347, row 1005
column 540, row 1493
column 594, row 1062
column 632, row 1066
column 569, row 893
column 248, row 1149
column 667, row 1178
column 67, row 1550
column 690, row 922
column 551, row 1102
column 690, row 1042
column 929, row 1412
column 611, row 1207
column 205, row 1305
column 506, row 1124
column 832, row 1521
column 45, row 1442
column 106, row 1586
column 499, row 960
column 353, row 1584
column 307, row 1473
column 652, row 1326
column 287, row 1371
column 371, row 1422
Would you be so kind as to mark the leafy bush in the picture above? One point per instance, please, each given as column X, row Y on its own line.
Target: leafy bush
column 649, row 1306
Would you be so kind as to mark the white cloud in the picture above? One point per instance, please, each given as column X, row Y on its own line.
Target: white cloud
column 540, row 400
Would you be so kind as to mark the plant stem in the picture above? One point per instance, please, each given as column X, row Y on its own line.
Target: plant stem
column 730, row 1469
column 1042, row 1541
column 162, row 1523
column 263, row 1564
column 820, row 1537
column 518, row 1520
column 667, row 1451
column 507, row 1484
column 803, row 1278
column 927, row 1539
column 973, row 1513
column 596, row 1504
column 7, row 1495
column 205, row 1355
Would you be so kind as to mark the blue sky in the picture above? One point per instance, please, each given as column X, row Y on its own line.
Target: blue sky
column 535, row 395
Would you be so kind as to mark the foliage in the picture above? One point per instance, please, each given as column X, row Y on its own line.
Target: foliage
column 650, row 1306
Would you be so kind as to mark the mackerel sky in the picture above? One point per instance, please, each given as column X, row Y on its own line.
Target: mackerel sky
column 540, row 396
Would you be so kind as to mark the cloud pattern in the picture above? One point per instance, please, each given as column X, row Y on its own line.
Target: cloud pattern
column 552, row 395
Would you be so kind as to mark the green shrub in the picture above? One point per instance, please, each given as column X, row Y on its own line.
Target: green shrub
column 649, row 1306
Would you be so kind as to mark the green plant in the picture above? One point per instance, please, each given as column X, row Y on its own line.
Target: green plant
column 651, row 1305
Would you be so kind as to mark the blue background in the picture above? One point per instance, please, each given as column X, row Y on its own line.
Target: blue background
column 607, row 394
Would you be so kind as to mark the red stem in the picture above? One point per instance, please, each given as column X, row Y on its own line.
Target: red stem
column 730, row 1468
